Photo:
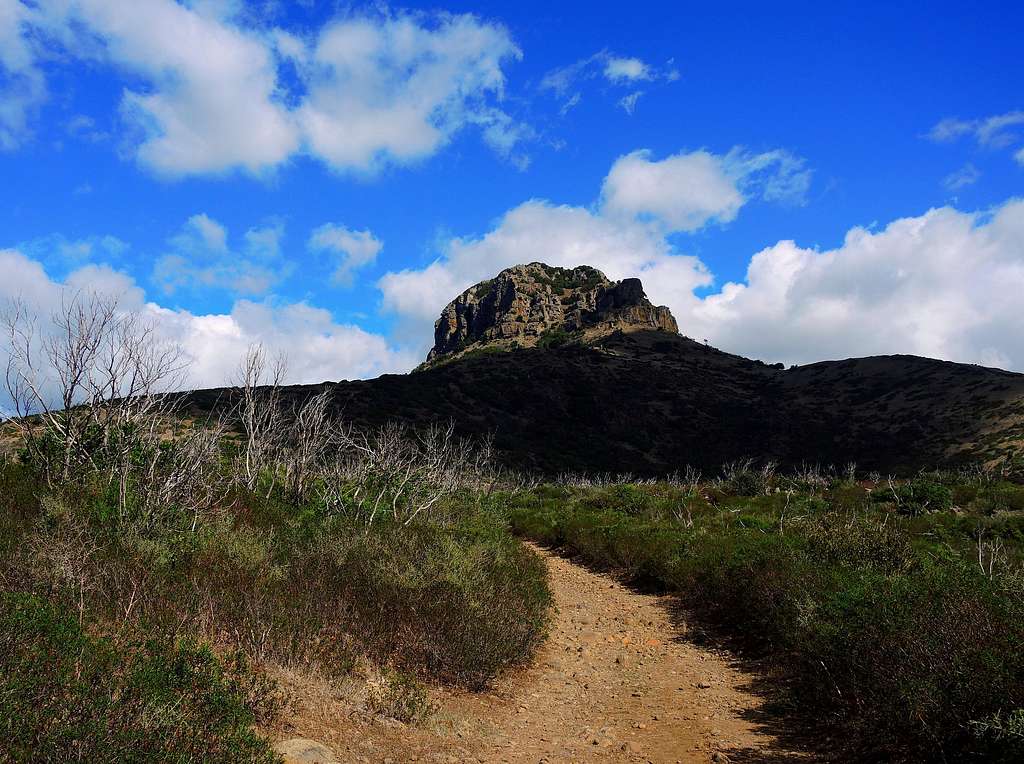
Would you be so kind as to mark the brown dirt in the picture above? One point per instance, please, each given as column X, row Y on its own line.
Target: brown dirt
column 617, row 681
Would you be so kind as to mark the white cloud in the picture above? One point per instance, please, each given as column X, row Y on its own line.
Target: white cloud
column 351, row 249
column 84, row 127
column 685, row 192
column 211, row 98
column 561, row 79
column 370, row 89
column 966, row 176
column 200, row 257
column 628, row 103
column 397, row 89
column 317, row 347
column 22, row 83
column 619, row 70
column 61, row 250
column 209, row 232
column 570, row 104
column 616, row 70
column 995, row 131
column 945, row 284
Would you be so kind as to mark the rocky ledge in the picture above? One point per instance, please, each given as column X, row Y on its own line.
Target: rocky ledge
column 525, row 304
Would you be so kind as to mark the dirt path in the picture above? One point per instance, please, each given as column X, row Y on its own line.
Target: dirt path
column 616, row 681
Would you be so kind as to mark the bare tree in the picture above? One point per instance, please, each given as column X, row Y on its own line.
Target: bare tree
column 94, row 374
column 90, row 392
column 311, row 434
column 259, row 412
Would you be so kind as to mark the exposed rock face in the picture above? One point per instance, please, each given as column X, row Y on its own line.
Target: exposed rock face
column 522, row 303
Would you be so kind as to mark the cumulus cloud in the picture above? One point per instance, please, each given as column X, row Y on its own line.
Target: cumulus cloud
column 363, row 91
column 687, row 191
column 396, row 89
column 317, row 347
column 22, row 83
column 199, row 257
column 684, row 191
column 642, row 202
column 351, row 249
column 210, row 101
column 945, row 284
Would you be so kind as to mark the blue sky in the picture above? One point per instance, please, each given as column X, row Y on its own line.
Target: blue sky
column 796, row 183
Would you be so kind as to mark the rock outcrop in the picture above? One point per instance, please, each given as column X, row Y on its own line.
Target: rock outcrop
column 526, row 303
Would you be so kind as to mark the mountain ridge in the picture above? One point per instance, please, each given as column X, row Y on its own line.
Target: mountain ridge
column 618, row 390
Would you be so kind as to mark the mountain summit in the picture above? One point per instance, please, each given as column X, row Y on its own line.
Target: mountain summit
column 589, row 376
column 532, row 304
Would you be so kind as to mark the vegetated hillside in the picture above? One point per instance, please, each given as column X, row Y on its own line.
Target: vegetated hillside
column 653, row 402
column 572, row 372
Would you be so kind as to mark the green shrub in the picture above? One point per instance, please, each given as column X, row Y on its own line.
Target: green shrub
column 918, row 496
column 897, row 640
column 553, row 338
column 456, row 599
column 66, row 695
column 399, row 696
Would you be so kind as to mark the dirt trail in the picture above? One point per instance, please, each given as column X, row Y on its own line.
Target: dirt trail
column 616, row 681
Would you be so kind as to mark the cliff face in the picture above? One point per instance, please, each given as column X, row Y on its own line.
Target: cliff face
column 524, row 303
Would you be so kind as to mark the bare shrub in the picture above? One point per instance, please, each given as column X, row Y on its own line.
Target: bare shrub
column 259, row 413
column 90, row 391
column 310, row 437
column 398, row 471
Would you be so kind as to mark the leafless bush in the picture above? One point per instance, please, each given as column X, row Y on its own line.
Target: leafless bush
column 260, row 413
column 90, row 391
column 93, row 375
column 745, row 477
column 400, row 472
column 62, row 559
column 810, row 478
column 991, row 553
column 309, row 438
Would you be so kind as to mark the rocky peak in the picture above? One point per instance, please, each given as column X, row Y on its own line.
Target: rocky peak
column 524, row 303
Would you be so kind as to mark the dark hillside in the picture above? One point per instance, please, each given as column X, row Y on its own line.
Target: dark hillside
column 652, row 402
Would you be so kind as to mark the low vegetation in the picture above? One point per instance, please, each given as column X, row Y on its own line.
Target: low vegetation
column 66, row 695
column 895, row 611
column 152, row 567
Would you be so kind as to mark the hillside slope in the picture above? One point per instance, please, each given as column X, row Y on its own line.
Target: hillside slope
column 572, row 372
